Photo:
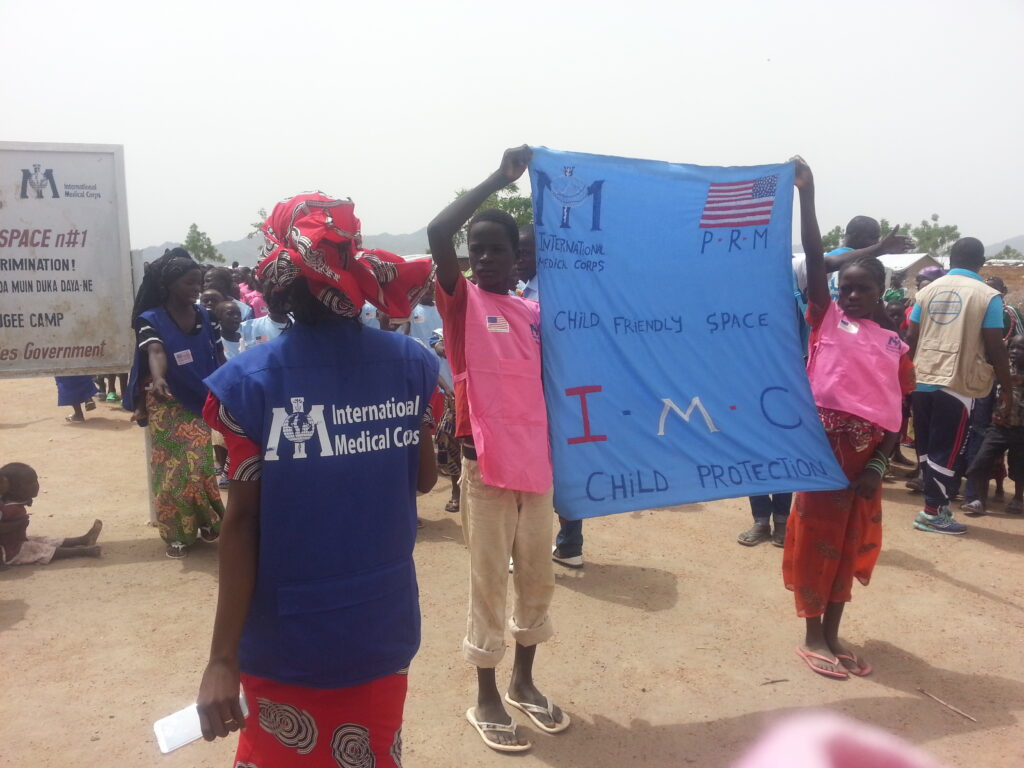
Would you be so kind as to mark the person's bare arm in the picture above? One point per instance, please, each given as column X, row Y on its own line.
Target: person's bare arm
column 810, row 236
column 868, row 482
column 893, row 242
column 995, row 350
column 913, row 333
column 219, row 709
column 427, row 477
column 448, row 222
column 158, row 369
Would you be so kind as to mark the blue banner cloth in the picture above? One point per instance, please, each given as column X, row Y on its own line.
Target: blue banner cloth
column 673, row 370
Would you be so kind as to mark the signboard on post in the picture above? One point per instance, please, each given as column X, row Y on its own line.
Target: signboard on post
column 65, row 274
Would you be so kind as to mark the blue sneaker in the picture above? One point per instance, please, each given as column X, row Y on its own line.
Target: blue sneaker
column 942, row 522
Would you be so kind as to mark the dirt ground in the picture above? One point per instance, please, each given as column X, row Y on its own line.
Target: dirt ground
column 674, row 645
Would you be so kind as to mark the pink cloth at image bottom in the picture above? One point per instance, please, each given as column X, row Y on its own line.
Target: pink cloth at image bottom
column 827, row 740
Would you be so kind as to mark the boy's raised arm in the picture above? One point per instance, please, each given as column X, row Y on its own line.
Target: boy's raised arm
column 444, row 226
column 810, row 236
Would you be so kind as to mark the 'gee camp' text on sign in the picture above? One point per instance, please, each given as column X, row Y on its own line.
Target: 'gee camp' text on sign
column 673, row 371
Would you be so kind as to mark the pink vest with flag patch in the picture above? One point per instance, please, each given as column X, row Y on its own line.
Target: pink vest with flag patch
column 504, row 390
column 855, row 368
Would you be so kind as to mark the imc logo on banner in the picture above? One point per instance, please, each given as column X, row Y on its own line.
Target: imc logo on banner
column 37, row 181
column 570, row 192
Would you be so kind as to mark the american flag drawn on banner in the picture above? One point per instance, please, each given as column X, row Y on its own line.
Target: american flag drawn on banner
column 740, row 204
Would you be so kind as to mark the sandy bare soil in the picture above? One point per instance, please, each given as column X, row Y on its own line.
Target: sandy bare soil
column 674, row 645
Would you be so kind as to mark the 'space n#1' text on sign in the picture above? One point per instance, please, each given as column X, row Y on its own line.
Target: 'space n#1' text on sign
column 673, row 371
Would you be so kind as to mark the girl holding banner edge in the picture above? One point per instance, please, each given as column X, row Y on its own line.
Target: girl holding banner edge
column 493, row 344
column 859, row 372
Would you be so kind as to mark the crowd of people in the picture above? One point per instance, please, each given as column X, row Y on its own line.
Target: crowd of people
column 332, row 384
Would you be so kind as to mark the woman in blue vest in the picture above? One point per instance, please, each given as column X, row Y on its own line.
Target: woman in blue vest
column 177, row 346
column 318, row 608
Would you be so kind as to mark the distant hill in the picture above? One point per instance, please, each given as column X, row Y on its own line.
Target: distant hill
column 244, row 251
column 1014, row 242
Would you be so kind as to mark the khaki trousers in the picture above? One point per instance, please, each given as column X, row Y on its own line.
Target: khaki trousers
column 499, row 523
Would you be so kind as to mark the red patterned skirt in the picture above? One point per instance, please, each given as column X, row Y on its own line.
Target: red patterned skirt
column 834, row 537
column 289, row 725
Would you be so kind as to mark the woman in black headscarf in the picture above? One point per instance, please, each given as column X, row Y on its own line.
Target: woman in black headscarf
column 177, row 345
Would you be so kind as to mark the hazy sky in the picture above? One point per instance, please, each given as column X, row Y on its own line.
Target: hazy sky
column 903, row 109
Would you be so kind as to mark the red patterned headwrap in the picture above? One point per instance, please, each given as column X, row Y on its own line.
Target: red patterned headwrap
column 317, row 237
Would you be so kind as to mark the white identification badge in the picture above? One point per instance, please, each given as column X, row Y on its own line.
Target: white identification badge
column 846, row 325
column 184, row 357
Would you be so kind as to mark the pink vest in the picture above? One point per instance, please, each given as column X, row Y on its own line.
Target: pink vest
column 855, row 368
column 504, row 390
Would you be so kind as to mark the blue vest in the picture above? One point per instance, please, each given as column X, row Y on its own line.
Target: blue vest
column 190, row 359
column 336, row 410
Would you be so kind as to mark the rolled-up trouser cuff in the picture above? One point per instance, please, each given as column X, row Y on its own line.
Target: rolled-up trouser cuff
column 531, row 635
column 478, row 657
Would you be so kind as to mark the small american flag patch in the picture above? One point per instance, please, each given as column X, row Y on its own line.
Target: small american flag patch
column 497, row 324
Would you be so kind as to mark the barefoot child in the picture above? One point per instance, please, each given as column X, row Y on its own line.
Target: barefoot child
column 858, row 372
column 1005, row 434
column 19, row 485
column 492, row 341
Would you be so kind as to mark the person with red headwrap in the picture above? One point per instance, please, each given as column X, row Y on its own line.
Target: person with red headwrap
column 318, row 610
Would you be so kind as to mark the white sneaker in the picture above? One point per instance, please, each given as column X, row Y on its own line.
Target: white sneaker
column 576, row 561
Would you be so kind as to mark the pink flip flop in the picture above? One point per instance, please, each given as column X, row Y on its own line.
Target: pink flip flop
column 808, row 655
column 863, row 670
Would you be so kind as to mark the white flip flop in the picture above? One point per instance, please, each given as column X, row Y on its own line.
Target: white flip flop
column 532, row 710
column 484, row 728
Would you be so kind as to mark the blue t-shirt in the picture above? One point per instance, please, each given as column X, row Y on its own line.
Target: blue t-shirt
column 261, row 330
column 833, row 278
column 993, row 319
column 424, row 323
column 368, row 316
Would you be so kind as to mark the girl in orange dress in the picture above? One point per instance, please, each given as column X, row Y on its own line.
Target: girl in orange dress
column 859, row 371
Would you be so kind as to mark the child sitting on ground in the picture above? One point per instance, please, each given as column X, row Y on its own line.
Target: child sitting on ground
column 19, row 485
column 1004, row 434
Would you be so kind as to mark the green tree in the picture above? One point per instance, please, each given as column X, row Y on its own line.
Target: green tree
column 933, row 238
column 257, row 226
column 1009, row 253
column 199, row 245
column 831, row 239
column 507, row 199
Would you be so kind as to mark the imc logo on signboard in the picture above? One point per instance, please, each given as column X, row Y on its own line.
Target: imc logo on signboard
column 38, row 181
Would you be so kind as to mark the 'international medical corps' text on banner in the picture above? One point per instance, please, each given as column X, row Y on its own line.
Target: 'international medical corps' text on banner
column 673, row 371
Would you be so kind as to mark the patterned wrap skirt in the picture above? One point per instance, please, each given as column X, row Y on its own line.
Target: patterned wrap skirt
column 834, row 537
column 355, row 727
column 449, row 450
column 184, row 483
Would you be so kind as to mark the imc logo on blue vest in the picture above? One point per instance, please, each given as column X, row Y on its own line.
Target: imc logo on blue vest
column 570, row 192
column 298, row 427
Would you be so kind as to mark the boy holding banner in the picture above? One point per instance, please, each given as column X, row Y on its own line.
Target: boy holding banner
column 492, row 341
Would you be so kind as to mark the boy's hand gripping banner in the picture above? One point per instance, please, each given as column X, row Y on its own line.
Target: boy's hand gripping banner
column 673, row 371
